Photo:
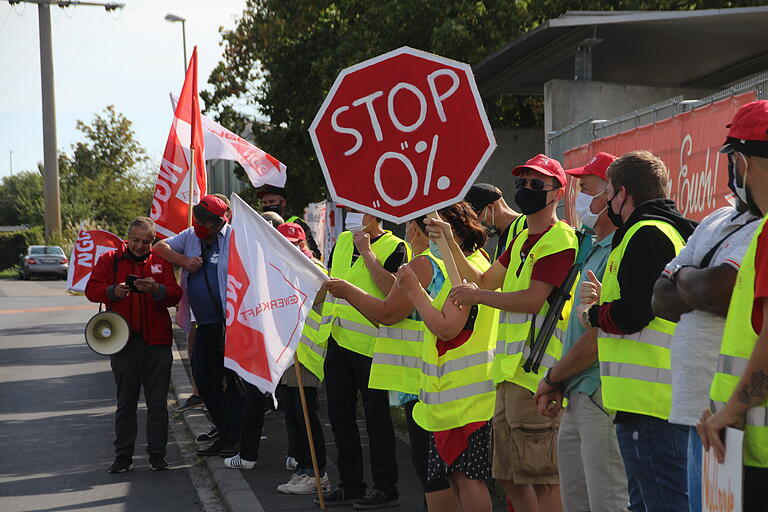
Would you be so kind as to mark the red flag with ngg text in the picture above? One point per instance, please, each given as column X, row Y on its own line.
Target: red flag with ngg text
column 171, row 200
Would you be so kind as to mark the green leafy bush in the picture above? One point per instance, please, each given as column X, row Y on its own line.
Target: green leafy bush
column 15, row 242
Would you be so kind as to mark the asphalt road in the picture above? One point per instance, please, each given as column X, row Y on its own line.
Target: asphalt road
column 57, row 412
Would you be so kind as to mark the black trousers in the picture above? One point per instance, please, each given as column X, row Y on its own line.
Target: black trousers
column 137, row 365
column 297, row 431
column 346, row 374
column 224, row 405
column 253, row 422
column 419, row 439
column 755, row 489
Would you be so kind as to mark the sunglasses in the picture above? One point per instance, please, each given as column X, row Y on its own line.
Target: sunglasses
column 534, row 184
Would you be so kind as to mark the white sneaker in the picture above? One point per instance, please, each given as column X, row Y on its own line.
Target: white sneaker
column 304, row 484
column 238, row 463
column 291, row 464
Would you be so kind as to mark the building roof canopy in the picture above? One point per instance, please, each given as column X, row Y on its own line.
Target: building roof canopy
column 705, row 48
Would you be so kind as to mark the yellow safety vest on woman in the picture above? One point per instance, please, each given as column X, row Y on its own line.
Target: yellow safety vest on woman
column 739, row 340
column 341, row 320
column 635, row 368
column 311, row 349
column 396, row 364
column 514, row 335
column 457, row 387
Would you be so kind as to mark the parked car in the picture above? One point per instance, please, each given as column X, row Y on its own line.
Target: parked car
column 43, row 260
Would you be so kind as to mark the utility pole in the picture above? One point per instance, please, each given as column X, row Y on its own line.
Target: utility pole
column 10, row 154
column 51, row 187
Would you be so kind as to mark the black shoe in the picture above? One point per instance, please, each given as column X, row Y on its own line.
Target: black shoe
column 211, row 435
column 376, row 498
column 339, row 496
column 157, row 462
column 221, row 447
column 121, row 464
column 193, row 402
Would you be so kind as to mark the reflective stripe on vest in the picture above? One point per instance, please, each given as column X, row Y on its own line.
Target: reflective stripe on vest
column 348, row 326
column 635, row 368
column 514, row 328
column 457, row 388
column 311, row 354
column 739, row 339
column 396, row 364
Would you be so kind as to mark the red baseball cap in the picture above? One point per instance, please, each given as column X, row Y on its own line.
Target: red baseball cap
column 598, row 166
column 214, row 205
column 544, row 165
column 292, row 231
column 750, row 122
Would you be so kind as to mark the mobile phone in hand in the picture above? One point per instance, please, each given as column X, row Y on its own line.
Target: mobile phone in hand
column 131, row 282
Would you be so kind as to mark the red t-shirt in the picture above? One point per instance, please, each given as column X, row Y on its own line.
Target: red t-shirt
column 550, row 269
column 761, row 279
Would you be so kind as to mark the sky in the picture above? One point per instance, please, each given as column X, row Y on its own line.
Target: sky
column 131, row 58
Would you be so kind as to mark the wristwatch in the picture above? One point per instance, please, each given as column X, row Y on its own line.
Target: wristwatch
column 585, row 317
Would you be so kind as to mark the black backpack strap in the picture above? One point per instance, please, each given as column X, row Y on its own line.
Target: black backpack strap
column 707, row 259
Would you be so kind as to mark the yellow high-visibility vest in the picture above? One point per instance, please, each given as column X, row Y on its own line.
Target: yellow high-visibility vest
column 739, row 338
column 635, row 368
column 514, row 344
column 311, row 349
column 457, row 387
column 396, row 364
column 341, row 320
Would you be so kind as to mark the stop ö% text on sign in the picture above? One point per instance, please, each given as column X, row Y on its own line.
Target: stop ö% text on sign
column 402, row 134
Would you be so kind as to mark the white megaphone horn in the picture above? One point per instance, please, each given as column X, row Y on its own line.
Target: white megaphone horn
column 107, row 333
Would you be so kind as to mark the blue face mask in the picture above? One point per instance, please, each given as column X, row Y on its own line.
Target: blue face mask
column 435, row 250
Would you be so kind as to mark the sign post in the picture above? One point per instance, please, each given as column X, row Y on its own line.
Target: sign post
column 402, row 135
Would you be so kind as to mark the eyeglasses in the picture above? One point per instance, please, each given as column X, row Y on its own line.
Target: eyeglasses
column 535, row 184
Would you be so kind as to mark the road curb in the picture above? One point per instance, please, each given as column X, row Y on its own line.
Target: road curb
column 232, row 486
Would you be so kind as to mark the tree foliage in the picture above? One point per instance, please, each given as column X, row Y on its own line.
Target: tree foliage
column 282, row 58
column 105, row 179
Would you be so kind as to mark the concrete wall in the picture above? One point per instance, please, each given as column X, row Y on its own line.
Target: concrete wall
column 515, row 146
column 569, row 101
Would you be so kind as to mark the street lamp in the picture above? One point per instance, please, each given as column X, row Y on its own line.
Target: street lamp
column 172, row 18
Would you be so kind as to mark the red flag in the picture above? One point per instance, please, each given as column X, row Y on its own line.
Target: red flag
column 86, row 252
column 170, row 203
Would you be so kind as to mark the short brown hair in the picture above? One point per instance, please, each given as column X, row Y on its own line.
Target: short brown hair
column 643, row 174
column 142, row 223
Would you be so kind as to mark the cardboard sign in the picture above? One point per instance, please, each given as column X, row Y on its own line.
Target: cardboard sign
column 402, row 134
column 721, row 484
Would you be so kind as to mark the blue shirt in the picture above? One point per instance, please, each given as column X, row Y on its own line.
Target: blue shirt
column 589, row 380
column 205, row 307
column 188, row 244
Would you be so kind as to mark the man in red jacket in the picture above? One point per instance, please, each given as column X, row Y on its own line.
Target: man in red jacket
column 146, row 359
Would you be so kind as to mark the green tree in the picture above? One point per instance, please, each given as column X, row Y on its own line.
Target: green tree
column 282, row 58
column 105, row 179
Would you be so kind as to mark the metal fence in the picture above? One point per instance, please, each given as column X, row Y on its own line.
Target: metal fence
column 590, row 129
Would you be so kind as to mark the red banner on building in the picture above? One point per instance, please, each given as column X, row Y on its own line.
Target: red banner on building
column 688, row 143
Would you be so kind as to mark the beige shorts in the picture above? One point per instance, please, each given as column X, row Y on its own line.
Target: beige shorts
column 524, row 442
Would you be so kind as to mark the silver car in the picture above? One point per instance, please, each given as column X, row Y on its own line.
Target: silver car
column 43, row 260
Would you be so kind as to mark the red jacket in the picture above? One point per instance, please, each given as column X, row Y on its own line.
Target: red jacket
column 145, row 315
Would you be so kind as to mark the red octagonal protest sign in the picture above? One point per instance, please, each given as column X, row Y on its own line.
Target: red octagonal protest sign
column 402, row 134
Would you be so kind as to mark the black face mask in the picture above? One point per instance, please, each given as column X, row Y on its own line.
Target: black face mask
column 615, row 217
column 531, row 201
column 272, row 208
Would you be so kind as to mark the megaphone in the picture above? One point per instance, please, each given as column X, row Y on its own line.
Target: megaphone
column 107, row 333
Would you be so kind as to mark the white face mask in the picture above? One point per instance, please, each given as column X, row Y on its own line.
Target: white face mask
column 354, row 222
column 583, row 202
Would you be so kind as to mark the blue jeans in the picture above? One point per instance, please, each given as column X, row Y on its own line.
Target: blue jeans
column 694, row 470
column 654, row 453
